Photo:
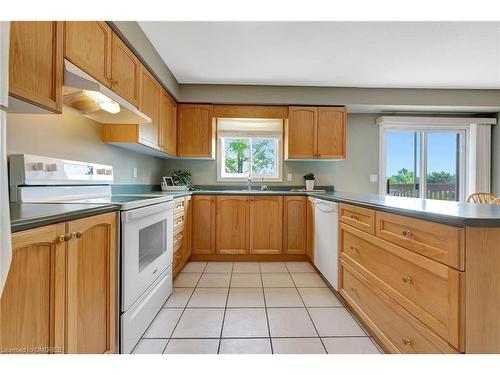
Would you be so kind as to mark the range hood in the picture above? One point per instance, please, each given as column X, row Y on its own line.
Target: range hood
column 94, row 100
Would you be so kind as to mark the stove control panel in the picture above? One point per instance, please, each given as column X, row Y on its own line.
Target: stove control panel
column 41, row 170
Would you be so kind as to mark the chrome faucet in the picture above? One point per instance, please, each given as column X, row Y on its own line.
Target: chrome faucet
column 249, row 183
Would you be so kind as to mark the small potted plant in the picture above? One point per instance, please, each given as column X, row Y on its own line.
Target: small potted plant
column 309, row 181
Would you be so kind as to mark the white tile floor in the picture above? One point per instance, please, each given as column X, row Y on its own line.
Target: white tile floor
column 253, row 308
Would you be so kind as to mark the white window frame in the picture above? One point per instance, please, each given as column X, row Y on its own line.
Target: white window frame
column 475, row 148
column 237, row 134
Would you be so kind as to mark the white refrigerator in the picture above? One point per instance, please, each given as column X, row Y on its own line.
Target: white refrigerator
column 5, row 239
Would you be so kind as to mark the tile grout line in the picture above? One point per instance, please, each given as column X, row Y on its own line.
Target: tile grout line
column 307, row 310
column 185, row 307
column 225, row 309
column 265, row 309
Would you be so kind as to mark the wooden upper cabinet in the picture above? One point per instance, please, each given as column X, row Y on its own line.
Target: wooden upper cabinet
column 125, row 71
column 36, row 63
column 316, row 133
column 331, row 133
column 195, row 130
column 203, row 221
column 150, row 96
column 87, row 44
column 168, row 124
column 32, row 304
column 301, row 133
column 91, row 285
column 295, row 225
column 266, row 223
column 232, row 224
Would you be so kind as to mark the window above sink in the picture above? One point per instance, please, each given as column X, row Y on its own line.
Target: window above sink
column 249, row 148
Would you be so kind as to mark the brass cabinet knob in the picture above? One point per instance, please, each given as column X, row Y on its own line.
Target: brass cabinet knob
column 407, row 279
column 407, row 233
column 406, row 341
column 64, row 237
column 75, row 235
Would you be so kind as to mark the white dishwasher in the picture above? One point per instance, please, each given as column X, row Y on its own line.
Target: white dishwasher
column 326, row 222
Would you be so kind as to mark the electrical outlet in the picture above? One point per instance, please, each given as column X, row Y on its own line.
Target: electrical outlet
column 134, row 172
column 373, row 177
column 289, row 177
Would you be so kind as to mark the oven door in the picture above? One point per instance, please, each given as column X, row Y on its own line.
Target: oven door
column 147, row 241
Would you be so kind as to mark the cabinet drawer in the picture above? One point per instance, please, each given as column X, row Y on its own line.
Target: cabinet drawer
column 177, row 259
column 440, row 242
column 178, row 221
column 179, row 205
column 396, row 329
column 178, row 237
column 429, row 290
column 358, row 217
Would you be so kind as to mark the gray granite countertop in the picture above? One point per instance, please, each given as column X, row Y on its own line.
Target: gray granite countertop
column 32, row 215
column 446, row 212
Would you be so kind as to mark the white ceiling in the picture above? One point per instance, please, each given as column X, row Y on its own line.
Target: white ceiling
column 348, row 54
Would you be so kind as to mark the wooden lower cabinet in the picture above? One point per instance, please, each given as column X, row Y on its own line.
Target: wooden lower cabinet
column 232, row 223
column 203, row 233
column 60, row 295
column 182, row 232
column 395, row 328
column 32, row 307
column 295, row 224
column 91, row 285
column 266, row 225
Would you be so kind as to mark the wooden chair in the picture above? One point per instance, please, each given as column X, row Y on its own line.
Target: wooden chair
column 496, row 201
column 482, row 198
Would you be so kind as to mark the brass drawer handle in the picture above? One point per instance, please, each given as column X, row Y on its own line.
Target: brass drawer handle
column 406, row 233
column 354, row 248
column 407, row 279
column 354, row 217
column 406, row 341
column 354, row 290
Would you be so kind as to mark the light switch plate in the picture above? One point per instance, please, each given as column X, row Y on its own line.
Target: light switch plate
column 289, row 177
column 373, row 177
column 134, row 172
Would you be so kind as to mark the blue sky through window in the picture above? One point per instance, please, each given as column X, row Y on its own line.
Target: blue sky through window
column 400, row 154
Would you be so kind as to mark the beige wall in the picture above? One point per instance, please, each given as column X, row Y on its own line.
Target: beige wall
column 351, row 174
column 73, row 136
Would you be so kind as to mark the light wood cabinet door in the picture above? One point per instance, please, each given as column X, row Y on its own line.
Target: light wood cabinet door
column 87, row 44
column 295, row 225
column 310, row 229
column 36, row 63
column 266, row 225
column 196, row 130
column 168, row 124
column 203, row 238
column 125, row 71
column 188, row 222
column 232, row 224
column 91, row 285
column 150, row 105
column 300, row 133
column 331, row 133
column 32, row 305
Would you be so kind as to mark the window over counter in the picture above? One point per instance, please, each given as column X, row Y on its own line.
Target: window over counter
column 434, row 157
column 249, row 148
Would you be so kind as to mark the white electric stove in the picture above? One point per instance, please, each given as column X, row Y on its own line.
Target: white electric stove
column 146, row 230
